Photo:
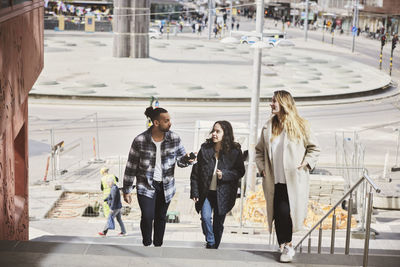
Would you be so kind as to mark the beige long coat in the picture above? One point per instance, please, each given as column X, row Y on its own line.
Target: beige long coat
column 297, row 181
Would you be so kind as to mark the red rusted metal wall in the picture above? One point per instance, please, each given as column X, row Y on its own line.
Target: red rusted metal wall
column 21, row 61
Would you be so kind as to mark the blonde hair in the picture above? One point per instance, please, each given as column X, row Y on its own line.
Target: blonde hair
column 104, row 171
column 296, row 127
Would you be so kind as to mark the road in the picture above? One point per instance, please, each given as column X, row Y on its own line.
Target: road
column 118, row 124
column 367, row 47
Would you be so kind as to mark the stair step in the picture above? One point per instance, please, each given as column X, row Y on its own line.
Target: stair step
column 38, row 253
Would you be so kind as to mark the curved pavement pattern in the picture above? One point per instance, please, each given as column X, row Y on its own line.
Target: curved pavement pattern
column 82, row 65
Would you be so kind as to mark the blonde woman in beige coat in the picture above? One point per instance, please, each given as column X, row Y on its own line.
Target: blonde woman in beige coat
column 286, row 152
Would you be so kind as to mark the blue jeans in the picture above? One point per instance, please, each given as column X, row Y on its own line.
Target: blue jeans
column 110, row 221
column 212, row 230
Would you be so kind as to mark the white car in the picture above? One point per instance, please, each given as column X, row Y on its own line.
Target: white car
column 154, row 34
column 270, row 37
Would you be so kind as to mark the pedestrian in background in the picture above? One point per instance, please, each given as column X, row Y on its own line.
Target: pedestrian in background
column 286, row 152
column 214, row 180
column 152, row 160
column 105, row 188
column 114, row 202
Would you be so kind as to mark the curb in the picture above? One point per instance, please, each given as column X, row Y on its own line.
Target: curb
column 392, row 85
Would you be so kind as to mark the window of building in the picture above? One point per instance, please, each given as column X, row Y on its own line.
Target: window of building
column 8, row 3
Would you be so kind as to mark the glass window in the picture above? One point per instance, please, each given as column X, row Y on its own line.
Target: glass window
column 16, row 2
column 4, row 3
column 7, row 3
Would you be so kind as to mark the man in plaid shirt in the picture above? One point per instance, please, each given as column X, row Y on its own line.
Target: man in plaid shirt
column 151, row 160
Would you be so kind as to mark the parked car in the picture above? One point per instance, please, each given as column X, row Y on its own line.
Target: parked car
column 270, row 37
column 154, row 34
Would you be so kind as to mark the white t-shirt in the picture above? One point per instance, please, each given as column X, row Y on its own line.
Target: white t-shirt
column 213, row 185
column 157, row 168
column 277, row 158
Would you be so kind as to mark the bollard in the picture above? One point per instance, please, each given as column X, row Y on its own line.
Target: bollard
column 394, row 43
column 94, row 147
column 168, row 31
column 47, row 169
column 383, row 42
column 333, row 36
column 391, row 63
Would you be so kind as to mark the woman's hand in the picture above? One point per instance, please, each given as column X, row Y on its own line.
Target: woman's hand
column 195, row 199
column 303, row 165
column 219, row 174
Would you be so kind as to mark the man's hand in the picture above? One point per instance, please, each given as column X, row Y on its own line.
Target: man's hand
column 127, row 198
column 195, row 199
column 191, row 157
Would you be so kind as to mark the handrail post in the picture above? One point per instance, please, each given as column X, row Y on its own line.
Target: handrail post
column 368, row 229
column 319, row 238
column 301, row 248
column 309, row 244
column 333, row 232
column 348, row 229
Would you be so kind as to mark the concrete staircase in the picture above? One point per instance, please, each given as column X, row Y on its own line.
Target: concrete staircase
column 127, row 251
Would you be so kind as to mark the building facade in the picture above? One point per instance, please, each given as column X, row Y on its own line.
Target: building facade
column 21, row 61
column 380, row 13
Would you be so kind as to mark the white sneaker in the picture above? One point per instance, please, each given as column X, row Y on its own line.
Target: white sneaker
column 287, row 254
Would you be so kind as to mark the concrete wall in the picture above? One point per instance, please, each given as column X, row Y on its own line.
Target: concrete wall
column 21, row 61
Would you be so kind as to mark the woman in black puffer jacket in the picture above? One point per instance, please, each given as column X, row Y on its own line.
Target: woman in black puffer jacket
column 214, row 180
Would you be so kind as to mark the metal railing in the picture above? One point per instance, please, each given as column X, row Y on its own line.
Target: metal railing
column 372, row 187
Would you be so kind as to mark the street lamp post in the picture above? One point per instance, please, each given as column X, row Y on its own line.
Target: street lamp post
column 306, row 23
column 251, row 171
column 355, row 22
column 209, row 18
column 230, row 17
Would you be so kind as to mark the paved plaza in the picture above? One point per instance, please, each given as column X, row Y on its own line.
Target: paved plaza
column 81, row 64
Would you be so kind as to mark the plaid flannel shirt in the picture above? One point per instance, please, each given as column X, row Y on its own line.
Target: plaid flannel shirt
column 142, row 159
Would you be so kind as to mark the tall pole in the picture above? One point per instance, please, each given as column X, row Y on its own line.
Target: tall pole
column 306, row 23
column 97, row 136
column 209, row 18
column 230, row 17
column 355, row 20
column 255, row 98
column 53, row 158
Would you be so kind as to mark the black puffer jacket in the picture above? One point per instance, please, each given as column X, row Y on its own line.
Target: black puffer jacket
column 232, row 168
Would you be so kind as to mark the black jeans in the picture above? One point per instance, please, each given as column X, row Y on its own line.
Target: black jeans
column 153, row 209
column 283, row 221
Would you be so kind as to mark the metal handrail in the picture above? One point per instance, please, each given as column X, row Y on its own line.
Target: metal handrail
column 349, row 210
column 372, row 183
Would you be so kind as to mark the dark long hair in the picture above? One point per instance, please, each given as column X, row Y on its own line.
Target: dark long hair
column 228, row 139
column 154, row 113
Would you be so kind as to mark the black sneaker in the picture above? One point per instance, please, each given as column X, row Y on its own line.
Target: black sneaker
column 210, row 246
